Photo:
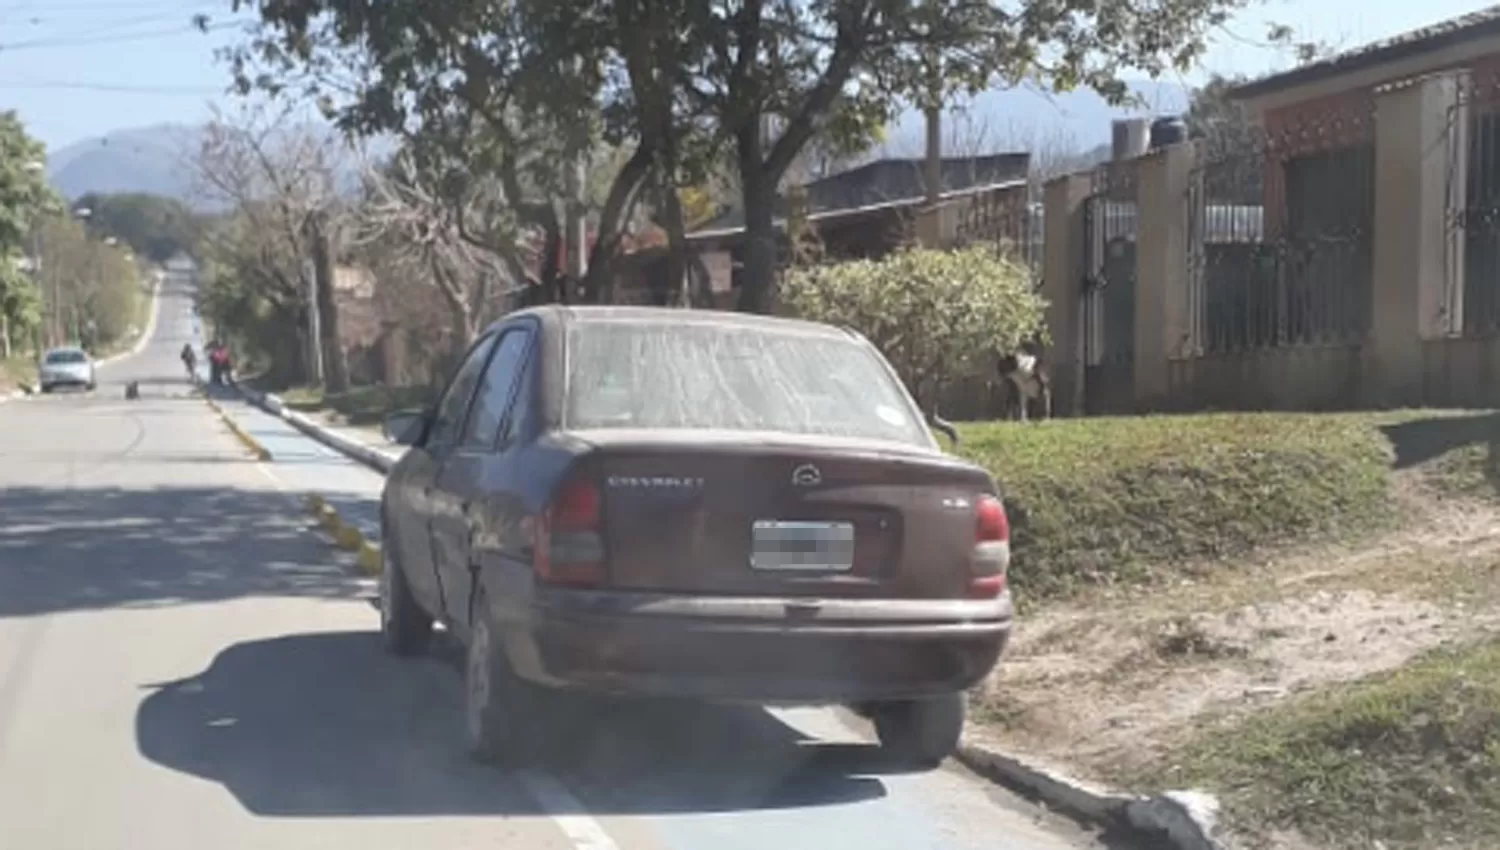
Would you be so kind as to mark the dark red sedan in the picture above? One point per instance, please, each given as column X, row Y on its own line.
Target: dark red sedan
column 642, row 501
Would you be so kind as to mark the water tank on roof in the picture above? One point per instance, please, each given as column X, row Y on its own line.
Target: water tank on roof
column 1168, row 130
column 1128, row 139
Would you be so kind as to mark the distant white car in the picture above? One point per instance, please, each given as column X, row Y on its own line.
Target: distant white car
column 66, row 367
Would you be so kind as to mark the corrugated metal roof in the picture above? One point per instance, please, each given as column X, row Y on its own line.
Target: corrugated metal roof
column 1479, row 24
column 889, row 181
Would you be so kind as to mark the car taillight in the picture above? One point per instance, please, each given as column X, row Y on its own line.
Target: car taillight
column 568, row 542
column 991, row 559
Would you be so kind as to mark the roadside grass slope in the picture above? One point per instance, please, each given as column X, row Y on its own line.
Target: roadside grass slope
column 1293, row 611
column 15, row 371
column 1113, row 500
column 366, row 405
column 1407, row 758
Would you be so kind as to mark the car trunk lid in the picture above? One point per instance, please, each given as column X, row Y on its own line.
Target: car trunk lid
column 710, row 512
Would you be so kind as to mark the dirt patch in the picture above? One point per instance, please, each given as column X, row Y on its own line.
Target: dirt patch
column 1103, row 684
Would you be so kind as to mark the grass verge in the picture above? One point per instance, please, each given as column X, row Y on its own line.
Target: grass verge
column 141, row 317
column 1122, row 500
column 358, row 406
column 15, row 371
column 1410, row 758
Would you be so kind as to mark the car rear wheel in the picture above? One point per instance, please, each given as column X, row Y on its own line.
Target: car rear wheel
column 46, row 388
column 404, row 626
column 920, row 733
column 500, row 709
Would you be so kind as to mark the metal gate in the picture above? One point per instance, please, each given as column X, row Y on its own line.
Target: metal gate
column 1109, row 220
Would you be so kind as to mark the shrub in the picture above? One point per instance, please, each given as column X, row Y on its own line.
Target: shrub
column 935, row 315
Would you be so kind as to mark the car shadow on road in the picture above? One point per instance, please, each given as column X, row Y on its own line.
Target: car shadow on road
column 94, row 548
column 326, row 725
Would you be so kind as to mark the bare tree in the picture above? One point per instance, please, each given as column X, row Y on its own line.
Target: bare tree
column 280, row 180
column 457, row 241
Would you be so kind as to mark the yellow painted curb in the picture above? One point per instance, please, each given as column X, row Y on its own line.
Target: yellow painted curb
column 260, row 451
column 370, row 559
column 349, row 538
column 329, row 518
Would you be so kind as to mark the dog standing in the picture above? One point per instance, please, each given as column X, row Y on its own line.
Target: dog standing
column 1027, row 381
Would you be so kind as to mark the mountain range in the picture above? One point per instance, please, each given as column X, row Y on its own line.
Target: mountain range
column 155, row 159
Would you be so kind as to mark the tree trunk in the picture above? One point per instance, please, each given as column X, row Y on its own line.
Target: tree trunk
column 335, row 364
column 611, row 221
column 4, row 335
column 758, row 276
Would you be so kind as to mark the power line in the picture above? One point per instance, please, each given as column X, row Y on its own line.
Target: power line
column 114, row 26
column 66, row 41
column 34, row 12
column 112, row 87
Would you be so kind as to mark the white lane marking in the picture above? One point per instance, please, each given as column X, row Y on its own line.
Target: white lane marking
column 566, row 811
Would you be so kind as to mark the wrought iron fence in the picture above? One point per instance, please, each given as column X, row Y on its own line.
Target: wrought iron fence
column 1110, row 266
column 1280, row 235
column 1474, row 177
column 1009, row 220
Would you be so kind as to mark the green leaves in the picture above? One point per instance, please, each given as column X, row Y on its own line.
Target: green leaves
column 24, row 191
column 24, row 196
column 934, row 314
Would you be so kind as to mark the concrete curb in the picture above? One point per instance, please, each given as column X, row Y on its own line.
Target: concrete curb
column 348, row 537
column 376, row 459
column 1184, row 820
column 260, row 451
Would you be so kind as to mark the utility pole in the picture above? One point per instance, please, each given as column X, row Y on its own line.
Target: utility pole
column 335, row 370
column 314, row 325
column 575, row 229
column 930, row 230
column 934, row 116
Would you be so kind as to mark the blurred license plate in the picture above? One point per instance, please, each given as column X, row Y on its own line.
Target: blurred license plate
column 813, row 546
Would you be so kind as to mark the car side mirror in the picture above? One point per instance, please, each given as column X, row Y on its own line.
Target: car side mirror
column 405, row 427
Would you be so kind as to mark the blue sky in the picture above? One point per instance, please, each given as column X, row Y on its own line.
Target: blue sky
column 81, row 68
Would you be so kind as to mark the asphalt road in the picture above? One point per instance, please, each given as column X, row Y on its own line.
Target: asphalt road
column 185, row 664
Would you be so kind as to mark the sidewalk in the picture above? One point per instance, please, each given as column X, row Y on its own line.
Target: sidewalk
column 305, row 465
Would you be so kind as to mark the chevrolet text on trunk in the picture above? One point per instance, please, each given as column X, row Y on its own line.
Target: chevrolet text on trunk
column 655, row 502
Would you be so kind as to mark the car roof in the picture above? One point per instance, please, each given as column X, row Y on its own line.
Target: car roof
column 564, row 314
column 67, row 349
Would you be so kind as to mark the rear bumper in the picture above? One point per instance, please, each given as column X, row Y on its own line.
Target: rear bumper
column 66, row 380
column 755, row 650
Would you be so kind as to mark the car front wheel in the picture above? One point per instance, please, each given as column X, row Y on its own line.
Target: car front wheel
column 405, row 628
column 920, row 733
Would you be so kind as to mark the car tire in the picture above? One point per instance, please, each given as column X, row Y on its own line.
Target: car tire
column 500, row 709
column 921, row 733
column 405, row 628
column 46, row 389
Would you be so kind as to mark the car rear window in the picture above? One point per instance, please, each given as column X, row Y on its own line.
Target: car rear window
column 629, row 374
column 60, row 357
